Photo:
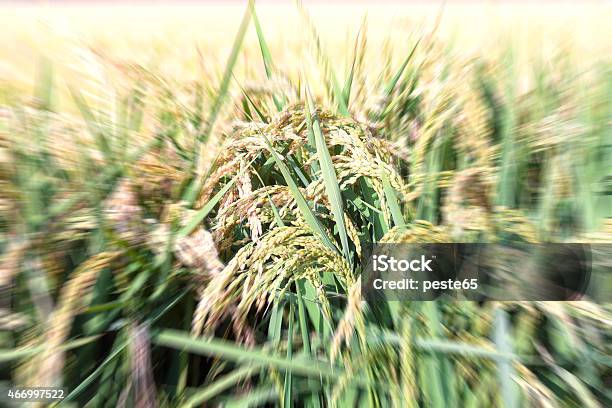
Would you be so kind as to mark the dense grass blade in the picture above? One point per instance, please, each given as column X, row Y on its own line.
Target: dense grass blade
column 507, row 185
column 393, row 203
column 315, row 314
column 266, row 56
column 275, row 326
column 92, row 124
column 21, row 353
column 432, row 367
column 377, row 217
column 118, row 349
column 288, row 385
column 358, row 56
column 398, row 74
column 313, row 399
column 307, row 212
column 332, row 79
column 506, row 372
column 245, row 103
column 303, row 321
column 255, row 398
column 440, row 345
column 199, row 216
column 215, row 109
column 232, row 352
column 227, row 74
column 220, row 385
column 583, row 393
column 330, row 179
column 120, row 345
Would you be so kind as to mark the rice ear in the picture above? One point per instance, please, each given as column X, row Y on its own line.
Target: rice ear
column 352, row 322
column 58, row 328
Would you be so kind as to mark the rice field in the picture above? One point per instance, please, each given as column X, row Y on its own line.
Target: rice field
column 188, row 194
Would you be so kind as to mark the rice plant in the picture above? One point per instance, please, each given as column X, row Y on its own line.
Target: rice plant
column 202, row 244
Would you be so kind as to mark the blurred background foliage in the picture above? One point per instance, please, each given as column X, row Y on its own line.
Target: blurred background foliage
column 184, row 210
